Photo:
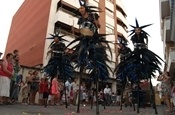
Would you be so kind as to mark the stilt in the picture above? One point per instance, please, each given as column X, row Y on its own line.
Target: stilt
column 138, row 98
column 121, row 99
column 92, row 100
column 79, row 91
column 134, row 106
column 97, row 104
column 104, row 100
column 66, row 105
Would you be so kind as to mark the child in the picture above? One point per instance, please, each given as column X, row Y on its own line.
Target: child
column 41, row 87
column 55, row 91
column 24, row 93
column 45, row 91
column 84, row 96
column 71, row 96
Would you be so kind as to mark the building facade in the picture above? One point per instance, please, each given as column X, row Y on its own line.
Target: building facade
column 36, row 20
column 167, row 15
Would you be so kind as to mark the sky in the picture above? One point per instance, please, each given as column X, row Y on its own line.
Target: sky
column 146, row 12
column 7, row 9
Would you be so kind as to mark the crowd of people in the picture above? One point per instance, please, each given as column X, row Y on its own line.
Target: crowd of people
column 15, row 88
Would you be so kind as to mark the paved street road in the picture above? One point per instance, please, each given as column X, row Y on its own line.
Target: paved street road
column 60, row 110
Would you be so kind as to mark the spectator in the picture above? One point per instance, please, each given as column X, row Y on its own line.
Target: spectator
column 74, row 90
column 15, row 53
column 107, row 93
column 173, row 93
column 84, row 96
column 34, row 87
column 14, row 89
column 29, row 82
column 72, row 96
column 41, row 91
column 6, row 74
column 118, row 96
column 55, row 91
column 25, row 89
column 45, row 91
column 157, row 97
column 165, row 78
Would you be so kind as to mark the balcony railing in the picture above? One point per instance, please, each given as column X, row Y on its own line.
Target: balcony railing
column 109, row 5
column 119, row 3
column 171, row 58
column 74, row 3
column 110, row 20
column 164, row 8
column 66, row 18
column 122, row 18
column 167, row 31
column 121, row 30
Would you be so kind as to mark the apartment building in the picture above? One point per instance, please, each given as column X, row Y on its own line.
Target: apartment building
column 167, row 15
column 36, row 20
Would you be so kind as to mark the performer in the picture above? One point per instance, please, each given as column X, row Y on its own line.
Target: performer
column 147, row 61
column 124, row 52
column 89, row 53
column 59, row 64
column 143, row 62
column 58, row 53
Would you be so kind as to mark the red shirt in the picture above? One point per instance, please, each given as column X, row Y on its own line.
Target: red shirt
column 43, row 87
column 46, row 87
column 9, row 68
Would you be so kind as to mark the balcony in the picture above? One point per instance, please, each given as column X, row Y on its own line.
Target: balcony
column 171, row 60
column 164, row 8
column 122, row 18
column 66, row 18
column 110, row 20
column 93, row 3
column 74, row 3
column 167, row 31
column 122, row 31
column 112, row 39
column 109, row 5
column 120, row 4
column 173, row 21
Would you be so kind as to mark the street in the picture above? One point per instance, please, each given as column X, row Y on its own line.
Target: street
column 18, row 109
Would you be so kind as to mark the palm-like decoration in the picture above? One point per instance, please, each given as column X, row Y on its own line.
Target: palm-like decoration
column 54, row 64
column 90, row 53
column 59, row 64
column 142, row 64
